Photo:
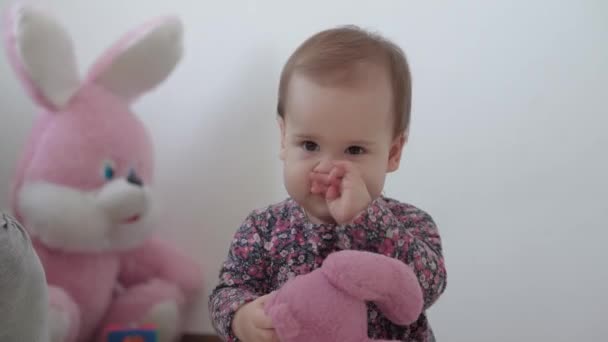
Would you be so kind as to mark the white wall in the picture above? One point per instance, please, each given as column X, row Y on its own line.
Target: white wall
column 508, row 144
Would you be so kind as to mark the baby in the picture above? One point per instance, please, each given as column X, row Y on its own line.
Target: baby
column 343, row 112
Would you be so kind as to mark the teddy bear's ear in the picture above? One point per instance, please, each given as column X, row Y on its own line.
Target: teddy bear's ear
column 141, row 60
column 41, row 52
column 388, row 282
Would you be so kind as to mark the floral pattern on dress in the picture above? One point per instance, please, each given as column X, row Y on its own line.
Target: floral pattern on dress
column 277, row 243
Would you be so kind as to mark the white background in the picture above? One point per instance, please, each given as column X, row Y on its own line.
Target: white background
column 507, row 150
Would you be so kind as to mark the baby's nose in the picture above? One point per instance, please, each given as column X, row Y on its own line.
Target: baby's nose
column 324, row 166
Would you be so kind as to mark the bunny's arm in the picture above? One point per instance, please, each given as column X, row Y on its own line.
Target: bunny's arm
column 156, row 259
column 243, row 276
column 403, row 232
column 374, row 277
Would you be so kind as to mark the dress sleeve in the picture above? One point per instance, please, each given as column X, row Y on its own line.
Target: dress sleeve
column 243, row 277
column 405, row 233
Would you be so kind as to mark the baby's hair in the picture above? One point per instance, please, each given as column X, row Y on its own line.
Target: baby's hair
column 332, row 55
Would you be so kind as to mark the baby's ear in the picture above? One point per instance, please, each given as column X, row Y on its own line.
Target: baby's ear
column 41, row 52
column 141, row 60
column 396, row 151
column 281, row 123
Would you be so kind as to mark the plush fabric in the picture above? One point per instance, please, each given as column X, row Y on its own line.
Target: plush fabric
column 329, row 303
column 84, row 185
column 278, row 242
column 23, row 291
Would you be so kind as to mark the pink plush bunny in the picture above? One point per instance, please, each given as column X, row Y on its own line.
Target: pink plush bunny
column 329, row 304
column 83, row 185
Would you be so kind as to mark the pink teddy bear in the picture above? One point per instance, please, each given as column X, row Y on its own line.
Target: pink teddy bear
column 329, row 303
column 83, row 184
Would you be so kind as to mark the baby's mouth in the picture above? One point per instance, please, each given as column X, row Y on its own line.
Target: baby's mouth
column 132, row 219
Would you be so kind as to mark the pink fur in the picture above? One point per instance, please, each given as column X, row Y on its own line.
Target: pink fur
column 104, row 62
column 14, row 59
column 329, row 304
column 119, row 47
column 93, row 234
column 99, row 125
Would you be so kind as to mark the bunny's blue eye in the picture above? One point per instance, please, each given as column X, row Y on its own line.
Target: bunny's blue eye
column 108, row 171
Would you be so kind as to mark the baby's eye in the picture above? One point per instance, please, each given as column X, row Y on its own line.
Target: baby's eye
column 355, row 150
column 310, row 146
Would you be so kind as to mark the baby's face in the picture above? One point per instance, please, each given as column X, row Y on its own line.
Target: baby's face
column 326, row 123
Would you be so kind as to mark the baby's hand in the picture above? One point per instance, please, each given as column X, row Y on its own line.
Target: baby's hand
column 345, row 191
column 250, row 323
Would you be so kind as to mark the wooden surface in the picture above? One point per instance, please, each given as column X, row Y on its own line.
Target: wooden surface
column 200, row 338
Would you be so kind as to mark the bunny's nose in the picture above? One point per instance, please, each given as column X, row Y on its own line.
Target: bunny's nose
column 134, row 179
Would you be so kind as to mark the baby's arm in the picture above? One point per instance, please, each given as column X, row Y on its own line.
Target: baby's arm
column 406, row 233
column 243, row 277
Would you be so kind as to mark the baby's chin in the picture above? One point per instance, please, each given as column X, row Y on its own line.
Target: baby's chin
column 316, row 210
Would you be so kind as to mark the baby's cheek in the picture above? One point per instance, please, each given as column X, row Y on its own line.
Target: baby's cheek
column 296, row 178
column 299, row 155
column 374, row 181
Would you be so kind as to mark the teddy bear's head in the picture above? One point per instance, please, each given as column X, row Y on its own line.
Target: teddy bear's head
column 23, row 290
column 329, row 304
column 84, row 181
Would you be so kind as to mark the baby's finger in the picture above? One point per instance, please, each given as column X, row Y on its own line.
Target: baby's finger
column 259, row 317
column 320, row 185
column 317, row 188
column 344, row 164
column 264, row 298
column 268, row 335
column 260, row 320
column 341, row 168
column 337, row 178
column 348, row 170
column 332, row 193
column 319, row 177
column 336, row 175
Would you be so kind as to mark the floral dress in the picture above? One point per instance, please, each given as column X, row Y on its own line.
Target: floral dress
column 278, row 242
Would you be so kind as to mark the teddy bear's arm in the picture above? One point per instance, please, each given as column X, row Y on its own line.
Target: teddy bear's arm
column 157, row 259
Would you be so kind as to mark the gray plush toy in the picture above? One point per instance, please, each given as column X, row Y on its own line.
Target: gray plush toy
column 23, row 290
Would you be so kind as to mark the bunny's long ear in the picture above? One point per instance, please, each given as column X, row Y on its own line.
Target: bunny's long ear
column 141, row 60
column 389, row 283
column 41, row 52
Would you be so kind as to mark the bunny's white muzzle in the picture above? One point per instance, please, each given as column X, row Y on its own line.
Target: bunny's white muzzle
column 108, row 219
